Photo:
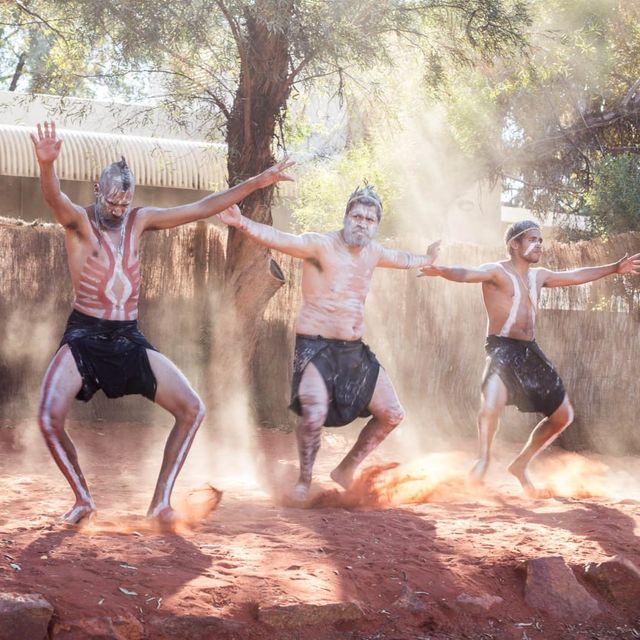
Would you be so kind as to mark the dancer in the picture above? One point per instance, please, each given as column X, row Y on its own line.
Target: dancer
column 517, row 372
column 336, row 377
column 102, row 347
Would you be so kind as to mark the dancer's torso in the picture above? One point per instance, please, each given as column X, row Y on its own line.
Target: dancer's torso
column 105, row 270
column 334, row 289
column 511, row 304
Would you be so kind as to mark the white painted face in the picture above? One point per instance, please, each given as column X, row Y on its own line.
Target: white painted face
column 360, row 225
column 530, row 246
column 113, row 204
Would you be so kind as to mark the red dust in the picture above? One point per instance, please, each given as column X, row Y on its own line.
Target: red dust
column 405, row 544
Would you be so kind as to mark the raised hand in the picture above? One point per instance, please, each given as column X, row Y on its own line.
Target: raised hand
column 231, row 216
column 629, row 264
column 433, row 250
column 46, row 143
column 276, row 173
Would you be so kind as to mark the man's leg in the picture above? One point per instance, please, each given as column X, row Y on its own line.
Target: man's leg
column 175, row 394
column 387, row 413
column 546, row 431
column 494, row 399
column 314, row 402
column 60, row 386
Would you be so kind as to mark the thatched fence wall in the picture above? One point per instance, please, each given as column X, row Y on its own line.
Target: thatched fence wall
column 428, row 333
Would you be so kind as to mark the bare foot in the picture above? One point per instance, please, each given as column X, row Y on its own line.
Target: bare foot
column 299, row 494
column 81, row 512
column 520, row 472
column 478, row 471
column 343, row 478
column 165, row 517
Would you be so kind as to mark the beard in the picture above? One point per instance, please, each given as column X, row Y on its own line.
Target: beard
column 108, row 221
column 353, row 238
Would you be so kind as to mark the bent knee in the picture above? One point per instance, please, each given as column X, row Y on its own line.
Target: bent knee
column 51, row 420
column 313, row 415
column 489, row 413
column 564, row 416
column 191, row 411
column 391, row 416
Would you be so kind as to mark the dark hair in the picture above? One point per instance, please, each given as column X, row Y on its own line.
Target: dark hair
column 366, row 196
column 518, row 228
column 118, row 172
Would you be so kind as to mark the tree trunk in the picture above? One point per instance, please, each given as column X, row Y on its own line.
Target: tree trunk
column 252, row 276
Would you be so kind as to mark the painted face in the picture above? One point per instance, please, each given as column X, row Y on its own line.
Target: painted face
column 360, row 225
column 112, row 204
column 530, row 247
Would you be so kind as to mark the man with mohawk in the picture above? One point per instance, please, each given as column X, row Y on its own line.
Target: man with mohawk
column 102, row 347
column 336, row 377
column 517, row 371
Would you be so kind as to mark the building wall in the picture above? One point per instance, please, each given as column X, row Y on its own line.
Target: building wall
column 21, row 197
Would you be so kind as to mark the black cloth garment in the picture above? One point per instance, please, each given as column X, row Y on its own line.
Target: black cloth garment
column 533, row 385
column 348, row 368
column 110, row 355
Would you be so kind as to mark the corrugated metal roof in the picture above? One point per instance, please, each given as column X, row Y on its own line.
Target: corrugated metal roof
column 156, row 162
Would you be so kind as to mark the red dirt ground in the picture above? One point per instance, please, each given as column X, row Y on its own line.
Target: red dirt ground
column 411, row 528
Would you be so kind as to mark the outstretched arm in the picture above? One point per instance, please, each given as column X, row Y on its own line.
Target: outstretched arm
column 626, row 264
column 302, row 246
column 157, row 218
column 483, row 273
column 394, row 259
column 47, row 147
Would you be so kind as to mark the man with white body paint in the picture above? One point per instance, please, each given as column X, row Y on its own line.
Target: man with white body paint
column 336, row 377
column 102, row 347
column 517, row 372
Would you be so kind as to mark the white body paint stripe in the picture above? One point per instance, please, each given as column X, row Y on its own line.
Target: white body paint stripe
column 49, row 391
column 515, row 305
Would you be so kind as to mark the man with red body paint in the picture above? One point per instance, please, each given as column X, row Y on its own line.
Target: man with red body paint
column 102, row 347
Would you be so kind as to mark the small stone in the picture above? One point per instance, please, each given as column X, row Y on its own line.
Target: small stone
column 410, row 601
column 476, row 604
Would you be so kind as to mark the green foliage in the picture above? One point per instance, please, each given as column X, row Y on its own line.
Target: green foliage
column 45, row 49
column 325, row 186
column 613, row 202
column 549, row 120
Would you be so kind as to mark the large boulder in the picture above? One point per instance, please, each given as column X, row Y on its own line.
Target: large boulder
column 302, row 615
column 195, row 628
column 551, row 587
column 618, row 579
column 24, row 615
column 103, row 628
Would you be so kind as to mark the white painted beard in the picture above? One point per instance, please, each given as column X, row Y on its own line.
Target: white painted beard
column 109, row 222
column 358, row 239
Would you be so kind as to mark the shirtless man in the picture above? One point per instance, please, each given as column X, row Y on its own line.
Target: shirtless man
column 336, row 377
column 517, row 372
column 102, row 347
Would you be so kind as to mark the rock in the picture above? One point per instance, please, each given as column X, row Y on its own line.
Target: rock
column 195, row 628
column 552, row 587
column 410, row 601
column 24, row 615
column 121, row 628
column 618, row 579
column 476, row 604
column 300, row 615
